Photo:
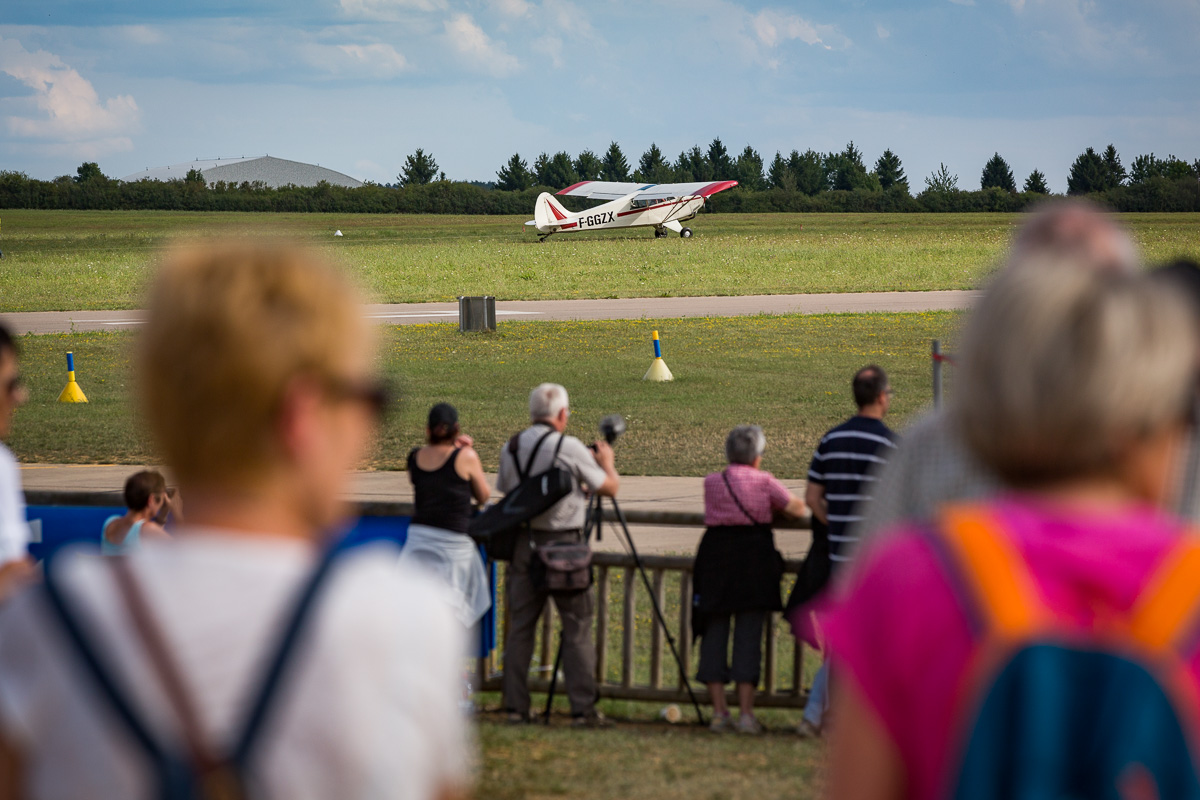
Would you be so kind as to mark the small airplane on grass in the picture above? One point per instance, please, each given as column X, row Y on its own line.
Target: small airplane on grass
column 662, row 206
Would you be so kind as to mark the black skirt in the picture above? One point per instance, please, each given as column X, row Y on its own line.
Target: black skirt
column 737, row 569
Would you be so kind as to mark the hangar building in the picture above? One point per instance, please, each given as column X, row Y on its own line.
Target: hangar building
column 274, row 172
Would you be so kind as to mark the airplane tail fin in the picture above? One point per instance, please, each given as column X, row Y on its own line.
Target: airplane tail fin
column 548, row 213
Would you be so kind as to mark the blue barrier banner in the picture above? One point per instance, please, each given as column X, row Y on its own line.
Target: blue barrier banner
column 64, row 525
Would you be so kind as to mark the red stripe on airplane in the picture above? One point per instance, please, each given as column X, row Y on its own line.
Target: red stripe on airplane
column 573, row 187
column 569, row 225
column 557, row 214
column 718, row 186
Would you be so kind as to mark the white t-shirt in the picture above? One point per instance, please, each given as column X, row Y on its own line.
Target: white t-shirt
column 14, row 530
column 369, row 707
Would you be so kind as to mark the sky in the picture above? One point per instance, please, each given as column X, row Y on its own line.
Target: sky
column 356, row 85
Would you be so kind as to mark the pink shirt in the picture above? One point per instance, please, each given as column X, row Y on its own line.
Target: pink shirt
column 898, row 631
column 759, row 491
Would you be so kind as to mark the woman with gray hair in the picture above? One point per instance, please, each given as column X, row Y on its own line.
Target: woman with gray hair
column 737, row 573
column 1038, row 608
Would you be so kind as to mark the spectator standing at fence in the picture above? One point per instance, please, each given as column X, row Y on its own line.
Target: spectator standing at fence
column 447, row 475
column 280, row 403
column 538, row 447
column 840, row 476
column 934, row 466
column 737, row 574
column 15, row 563
column 840, row 483
column 1075, row 388
column 146, row 501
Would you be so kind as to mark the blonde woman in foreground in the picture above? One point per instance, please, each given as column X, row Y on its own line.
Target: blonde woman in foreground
column 1016, row 647
column 260, row 390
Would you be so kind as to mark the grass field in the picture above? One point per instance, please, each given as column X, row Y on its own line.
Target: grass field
column 70, row 260
column 791, row 374
column 645, row 760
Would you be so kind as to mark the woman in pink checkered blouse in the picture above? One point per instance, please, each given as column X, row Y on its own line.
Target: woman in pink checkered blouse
column 737, row 573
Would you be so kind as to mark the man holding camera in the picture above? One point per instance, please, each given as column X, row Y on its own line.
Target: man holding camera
column 538, row 447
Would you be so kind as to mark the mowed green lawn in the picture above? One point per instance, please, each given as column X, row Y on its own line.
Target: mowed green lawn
column 645, row 761
column 791, row 374
column 69, row 260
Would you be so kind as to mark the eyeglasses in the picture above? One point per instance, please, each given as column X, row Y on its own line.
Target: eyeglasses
column 376, row 395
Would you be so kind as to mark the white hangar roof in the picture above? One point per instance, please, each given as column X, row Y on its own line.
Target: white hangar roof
column 274, row 172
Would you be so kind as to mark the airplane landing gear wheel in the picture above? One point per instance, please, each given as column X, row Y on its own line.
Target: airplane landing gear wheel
column 659, row 233
column 686, row 233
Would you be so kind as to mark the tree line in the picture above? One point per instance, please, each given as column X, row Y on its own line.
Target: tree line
column 799, row 182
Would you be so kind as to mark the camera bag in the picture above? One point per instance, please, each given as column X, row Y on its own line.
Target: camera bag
column 561, row 567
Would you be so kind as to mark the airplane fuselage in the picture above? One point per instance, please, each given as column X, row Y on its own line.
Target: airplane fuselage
column 625, row 213
column 619, row 214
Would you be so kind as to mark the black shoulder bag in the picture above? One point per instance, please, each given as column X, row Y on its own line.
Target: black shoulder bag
column 497, row 527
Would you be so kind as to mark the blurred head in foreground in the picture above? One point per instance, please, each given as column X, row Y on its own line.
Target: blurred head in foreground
column 256, row 375
column 12, row 394
column 1070, row 375
column 1075, row 231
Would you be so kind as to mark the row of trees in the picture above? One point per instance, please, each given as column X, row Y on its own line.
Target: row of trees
column 811, row 172
column 807, row 182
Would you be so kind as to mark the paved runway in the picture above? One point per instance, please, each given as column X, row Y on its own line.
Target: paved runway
column 630, row 308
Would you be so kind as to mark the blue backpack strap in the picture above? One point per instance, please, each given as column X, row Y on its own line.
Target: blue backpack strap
column 268, row 687
column 169, row 767
column 91, row 659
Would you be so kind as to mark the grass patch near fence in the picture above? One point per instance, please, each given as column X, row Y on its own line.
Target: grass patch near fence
column 791, row 374
column 645, row 761
column 71, row 260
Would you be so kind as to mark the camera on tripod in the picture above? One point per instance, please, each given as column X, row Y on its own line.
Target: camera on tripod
column 611, row 428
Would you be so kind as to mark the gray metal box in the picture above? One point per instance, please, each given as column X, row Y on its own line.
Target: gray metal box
column 477, row 313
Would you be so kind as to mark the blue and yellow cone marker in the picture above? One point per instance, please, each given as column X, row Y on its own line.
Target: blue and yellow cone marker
column 72, row 393
column 658, row 370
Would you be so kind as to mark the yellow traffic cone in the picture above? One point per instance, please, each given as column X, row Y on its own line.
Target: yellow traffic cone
column 71, row 393
column 658, row 370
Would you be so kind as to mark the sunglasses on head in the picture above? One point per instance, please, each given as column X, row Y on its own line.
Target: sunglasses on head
column 377, row 395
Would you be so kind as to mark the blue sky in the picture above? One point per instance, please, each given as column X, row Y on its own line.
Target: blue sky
column 356, row 85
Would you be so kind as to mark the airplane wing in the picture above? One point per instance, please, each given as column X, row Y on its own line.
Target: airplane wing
column 613, row 190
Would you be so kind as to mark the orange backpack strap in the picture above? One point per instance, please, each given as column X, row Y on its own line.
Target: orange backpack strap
column 1165, row 615
column 997, row 579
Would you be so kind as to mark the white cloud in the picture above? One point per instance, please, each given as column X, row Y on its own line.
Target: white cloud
column 143, row 35
column 567, row 17
column 773, row 28
column 512, row 8
column 1076, row 29
column 381, row 60
column 388, row 9
column 471, row 42
column 65, row 112
column 882, row 32
column 551, row 46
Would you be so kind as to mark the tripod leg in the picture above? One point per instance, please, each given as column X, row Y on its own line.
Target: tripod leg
column 553, row 680
column 641, row 568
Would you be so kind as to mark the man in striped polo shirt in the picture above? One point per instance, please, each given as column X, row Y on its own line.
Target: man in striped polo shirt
column 847, row 459
column 839, row 484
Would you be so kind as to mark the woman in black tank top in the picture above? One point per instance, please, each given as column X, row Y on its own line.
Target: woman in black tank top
column 446, row 475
